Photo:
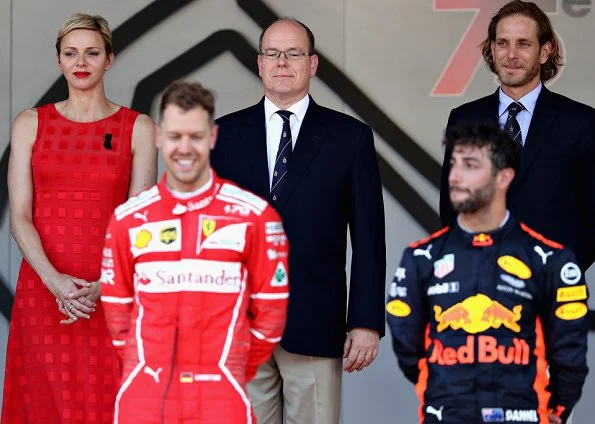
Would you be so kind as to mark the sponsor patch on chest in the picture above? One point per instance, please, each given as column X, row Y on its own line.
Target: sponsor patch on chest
column 190, row 275
column 500, row 415
column 444, row 266
column 220, row 232
column 443, row 288
column 522, row 415
column 159, row 236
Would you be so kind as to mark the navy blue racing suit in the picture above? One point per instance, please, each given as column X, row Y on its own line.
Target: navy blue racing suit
column 490, row 327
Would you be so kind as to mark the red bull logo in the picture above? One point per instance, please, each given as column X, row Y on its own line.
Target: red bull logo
column 488, row 352
column 477, row 314
column 482, row 240
column 498, row 315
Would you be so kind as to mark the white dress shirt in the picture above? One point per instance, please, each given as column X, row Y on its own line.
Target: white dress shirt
column 274, row 126
column 524, row 116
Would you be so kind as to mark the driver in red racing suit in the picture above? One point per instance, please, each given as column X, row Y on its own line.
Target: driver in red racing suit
column 195, row 288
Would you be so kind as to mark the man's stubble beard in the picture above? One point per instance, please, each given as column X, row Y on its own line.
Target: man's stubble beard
column 478, row 199
column 522, row 79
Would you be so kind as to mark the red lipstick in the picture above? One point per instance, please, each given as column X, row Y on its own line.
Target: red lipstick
column 81, row 74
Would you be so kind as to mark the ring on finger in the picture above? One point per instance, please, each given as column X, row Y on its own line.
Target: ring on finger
column 69, row 306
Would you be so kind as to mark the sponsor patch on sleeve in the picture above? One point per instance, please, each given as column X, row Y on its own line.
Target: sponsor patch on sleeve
column 243, row 195
column 273, row 227
column 571, row 311
column 107, row 276
column 137, row 202
column 400, row 274
column 280, row 276
column 107, row 267
column 396, row 291
column 276, row 239
column 570, row 273
column 569, row 294
column 398, row 308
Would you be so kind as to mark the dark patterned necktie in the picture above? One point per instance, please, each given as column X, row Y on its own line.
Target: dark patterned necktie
column 283, row 156
column 512, row 127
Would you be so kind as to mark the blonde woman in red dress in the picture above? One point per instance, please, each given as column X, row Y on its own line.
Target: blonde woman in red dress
column 71, row 164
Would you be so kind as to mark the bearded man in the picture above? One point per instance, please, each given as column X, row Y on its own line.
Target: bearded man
column 488, row 317
column 554, row 190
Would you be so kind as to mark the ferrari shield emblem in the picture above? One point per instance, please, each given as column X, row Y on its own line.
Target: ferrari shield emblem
column 208, row 226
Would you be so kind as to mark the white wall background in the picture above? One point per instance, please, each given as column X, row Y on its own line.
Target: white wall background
column 394, row 51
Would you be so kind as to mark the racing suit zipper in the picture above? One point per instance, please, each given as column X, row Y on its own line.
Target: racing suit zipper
column 171, row 376
column 478, row 289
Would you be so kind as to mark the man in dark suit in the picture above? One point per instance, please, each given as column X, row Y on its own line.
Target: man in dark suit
column 318, row 168
column 554, row 191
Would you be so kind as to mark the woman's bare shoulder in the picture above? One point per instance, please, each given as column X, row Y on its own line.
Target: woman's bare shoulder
column 24, row 126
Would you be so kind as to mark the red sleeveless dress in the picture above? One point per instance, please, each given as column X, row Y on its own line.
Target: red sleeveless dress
column 61, row 374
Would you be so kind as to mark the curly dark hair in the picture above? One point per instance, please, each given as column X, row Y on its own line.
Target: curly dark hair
column 504, row 152
column 545, row 34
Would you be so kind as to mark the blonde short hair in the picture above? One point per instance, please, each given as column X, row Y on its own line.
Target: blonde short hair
column 84, row 21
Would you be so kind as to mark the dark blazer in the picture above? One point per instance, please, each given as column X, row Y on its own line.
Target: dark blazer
column 332, row 182
column 554, row 191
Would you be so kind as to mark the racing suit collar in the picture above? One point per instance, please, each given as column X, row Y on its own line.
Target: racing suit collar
column 201, row 200
column 485, row 239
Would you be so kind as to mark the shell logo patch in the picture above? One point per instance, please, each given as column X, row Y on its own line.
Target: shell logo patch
column 208, row 226
column 398, row 308
column 143, row 238
column 571, row 311
column 514, row 266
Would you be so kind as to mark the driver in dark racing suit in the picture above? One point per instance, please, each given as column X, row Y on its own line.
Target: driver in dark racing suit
column 488, row 318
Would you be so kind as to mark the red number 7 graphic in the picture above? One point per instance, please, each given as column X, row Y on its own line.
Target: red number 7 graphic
column 466, row 58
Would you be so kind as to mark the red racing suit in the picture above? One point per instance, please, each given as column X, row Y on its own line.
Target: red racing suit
column 195, row 293
column 492, row 327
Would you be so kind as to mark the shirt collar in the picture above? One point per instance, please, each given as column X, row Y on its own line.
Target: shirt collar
column 299, row 108
column 528, row 100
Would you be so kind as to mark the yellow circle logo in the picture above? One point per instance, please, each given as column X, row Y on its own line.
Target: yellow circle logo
column 142, row 239
column 514, row 266
column 571, row 311
column 398, row 308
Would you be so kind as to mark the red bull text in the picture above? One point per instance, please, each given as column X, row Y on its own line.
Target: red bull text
column 488, row 352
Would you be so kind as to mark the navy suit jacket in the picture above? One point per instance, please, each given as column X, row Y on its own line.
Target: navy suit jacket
column 332, row 182
column 554, row 190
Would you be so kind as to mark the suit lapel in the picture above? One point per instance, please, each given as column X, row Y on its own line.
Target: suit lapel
column 253, row 137
column 307, row 144
column 491, row 109
column 543, row 118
